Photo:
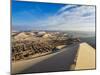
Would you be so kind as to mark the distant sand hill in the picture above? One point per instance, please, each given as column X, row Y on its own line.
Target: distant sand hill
column 47, row 35
column 24, row 36
column 21, row 35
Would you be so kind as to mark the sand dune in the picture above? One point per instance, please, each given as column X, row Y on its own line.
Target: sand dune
column 59, row 61
column 21, row 65
column 21, row 35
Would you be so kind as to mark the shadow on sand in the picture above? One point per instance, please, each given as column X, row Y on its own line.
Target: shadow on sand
column 59, row 62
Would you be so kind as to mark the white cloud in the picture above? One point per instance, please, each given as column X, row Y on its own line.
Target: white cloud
column 65, row 7
column 77, row 18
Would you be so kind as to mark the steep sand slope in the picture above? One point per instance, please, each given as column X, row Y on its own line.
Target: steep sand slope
column 21, row 65
column 56, row 61
column 85, row 57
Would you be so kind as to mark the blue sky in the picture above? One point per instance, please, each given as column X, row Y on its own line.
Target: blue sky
column 46, row 16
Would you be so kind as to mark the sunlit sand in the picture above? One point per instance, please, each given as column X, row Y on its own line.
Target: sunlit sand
column 85, row 57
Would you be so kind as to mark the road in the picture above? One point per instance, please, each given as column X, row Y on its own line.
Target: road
column 58, row 61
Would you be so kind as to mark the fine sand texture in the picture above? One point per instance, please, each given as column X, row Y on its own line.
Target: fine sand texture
column 85, row 57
